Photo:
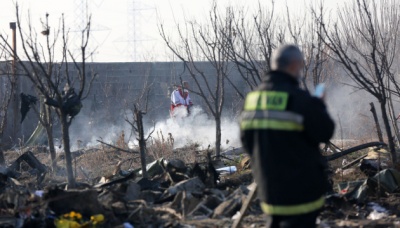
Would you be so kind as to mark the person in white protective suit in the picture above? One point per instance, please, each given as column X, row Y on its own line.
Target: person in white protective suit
column 180, row 100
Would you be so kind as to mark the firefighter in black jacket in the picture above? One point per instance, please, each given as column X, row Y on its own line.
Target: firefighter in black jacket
column 281, row 128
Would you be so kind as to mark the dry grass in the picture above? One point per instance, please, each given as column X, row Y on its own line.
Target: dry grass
column 93, row 163
column 163, row 147
column 90, row 164
column 102, row 162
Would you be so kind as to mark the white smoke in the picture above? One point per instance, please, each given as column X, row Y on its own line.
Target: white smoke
column 198, row 128
column 88, row 131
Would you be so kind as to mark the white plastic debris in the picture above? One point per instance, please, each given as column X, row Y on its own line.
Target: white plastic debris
column 375, row 215
column 236, row 216
column 348, row 171
column 127, row 225
column 39, row 193
column 378, row 212
column 227, row 169
column 376, row 207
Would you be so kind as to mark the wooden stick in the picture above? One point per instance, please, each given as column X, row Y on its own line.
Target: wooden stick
column 123, row 150
column 354, row 162
column 252, row 194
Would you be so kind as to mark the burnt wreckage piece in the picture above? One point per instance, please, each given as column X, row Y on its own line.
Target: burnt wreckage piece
column 354, row 149
column 71, row 103
column 37, row 167
column 26, row 102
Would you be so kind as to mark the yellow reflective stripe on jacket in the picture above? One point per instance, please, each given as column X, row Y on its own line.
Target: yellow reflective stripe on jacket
column 266, row 100
column 293, row 209
column 271, row 114
column 259, row 124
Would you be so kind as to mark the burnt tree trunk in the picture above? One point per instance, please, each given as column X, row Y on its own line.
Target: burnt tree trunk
column 50, row 140
column 388, row 131
column 67, row 149
column 2, row 127
column 2, row 159
column 3, row 123
column 48, row 125
column 393, row 119
column 218, row 137
column 141, row 139
column 377, row 125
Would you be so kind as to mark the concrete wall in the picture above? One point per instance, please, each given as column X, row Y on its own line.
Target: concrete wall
column 117, row 85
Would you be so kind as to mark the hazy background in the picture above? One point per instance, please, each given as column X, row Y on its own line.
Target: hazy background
column 122, row 26
column 131, row 26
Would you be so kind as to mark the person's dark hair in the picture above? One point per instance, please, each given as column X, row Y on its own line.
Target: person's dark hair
column 284, row 56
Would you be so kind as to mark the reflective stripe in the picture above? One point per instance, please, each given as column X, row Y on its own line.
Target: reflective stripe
column 293, row 209
column 258, row 124
column 278, row 115
column 266, row 100
column 266, row 110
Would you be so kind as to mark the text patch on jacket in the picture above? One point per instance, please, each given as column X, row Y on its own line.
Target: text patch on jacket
column 267, row 110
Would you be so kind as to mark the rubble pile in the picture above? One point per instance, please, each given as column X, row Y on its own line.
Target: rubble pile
column 174, row 194
column 365, row 193
column 207, row 193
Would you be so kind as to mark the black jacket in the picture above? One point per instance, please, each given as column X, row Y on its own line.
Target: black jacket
column 286, row 161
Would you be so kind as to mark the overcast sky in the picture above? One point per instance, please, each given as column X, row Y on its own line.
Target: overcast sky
column 113, row 21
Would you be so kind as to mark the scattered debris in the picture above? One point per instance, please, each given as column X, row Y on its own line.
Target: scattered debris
column 37, row 168
column 378, row 212
column 227, row 170
column 70, row 103
column 26, row 102
column 177, row 194
column 354, row 149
